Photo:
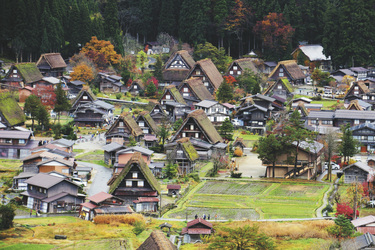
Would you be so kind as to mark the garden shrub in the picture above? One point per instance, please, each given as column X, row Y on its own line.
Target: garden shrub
column 7, row 215
column 194, row 176
column 235, row 175
column 139, row 227
column 345, row 210
column 118, row 96
column 316, row 98
column 343, row 228
column 238, row 152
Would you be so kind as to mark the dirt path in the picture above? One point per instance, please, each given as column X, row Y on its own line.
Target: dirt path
column 250, row 165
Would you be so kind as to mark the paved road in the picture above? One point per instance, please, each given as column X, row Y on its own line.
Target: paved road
column 100, row 177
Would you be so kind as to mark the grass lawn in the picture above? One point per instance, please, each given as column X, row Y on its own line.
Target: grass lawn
column 327, row 103
column 203, row 171
column 8, row 169
column 20, row 246
column 47, row 220
column 253, row 200
column 310, row 243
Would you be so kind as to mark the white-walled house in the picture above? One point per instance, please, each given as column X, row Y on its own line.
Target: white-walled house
column 215, row 111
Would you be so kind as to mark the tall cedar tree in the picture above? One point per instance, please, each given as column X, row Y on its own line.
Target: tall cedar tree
column 348, row 146
column 249, row 82
column 112, row 26
column 32, row 104
column 158, row 72
column 220, row 14
column 218, row 57
column 226, row 130
column 167, row 17
column 62, row 102
column 269, row 149
column 225, row 92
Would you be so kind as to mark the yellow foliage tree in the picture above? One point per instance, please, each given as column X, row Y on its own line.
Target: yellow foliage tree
column 83, row 73
column 238, row 152
column 101, row 52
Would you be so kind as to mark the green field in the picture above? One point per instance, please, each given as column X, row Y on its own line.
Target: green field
column 253, row 200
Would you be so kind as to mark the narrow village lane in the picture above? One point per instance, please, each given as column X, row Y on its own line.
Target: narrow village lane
column 100, row 177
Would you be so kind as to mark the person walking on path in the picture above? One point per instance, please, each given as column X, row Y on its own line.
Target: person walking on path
column 196, row 216
column 208, row 217
column 204, row 216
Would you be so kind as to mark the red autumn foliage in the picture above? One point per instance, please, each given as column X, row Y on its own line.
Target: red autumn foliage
column 346, row 210
column 153, row 80
column 47, row 95
column 230, row 80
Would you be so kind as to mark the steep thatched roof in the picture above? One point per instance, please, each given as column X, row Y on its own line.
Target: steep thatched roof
column 209, row 68
column 284, row 81
column 157, row 241
column 29, row 72
column 245, row 63
column 89, row 93
column 197, row 86
column 291, row 67
column 137, row 160
column 10, row 110
column 188, row 148
column 201, row 118
column 354, row 105
column 175, row 93
column 363, row 86
column 146, row 115
column 176, row 74
column 54, row 60
column 301, row 106
column 239, row 142
column 128, row 119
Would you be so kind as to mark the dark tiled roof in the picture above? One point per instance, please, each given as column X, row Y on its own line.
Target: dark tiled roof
column 44, row 180
column 64, row 142
column 141, row 150
column 113, row 146
column 14, row 134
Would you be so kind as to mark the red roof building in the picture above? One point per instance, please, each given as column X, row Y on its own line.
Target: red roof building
column 195, row 228
column 365, row 224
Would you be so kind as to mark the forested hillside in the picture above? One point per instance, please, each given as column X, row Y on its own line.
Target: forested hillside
column 272, row 28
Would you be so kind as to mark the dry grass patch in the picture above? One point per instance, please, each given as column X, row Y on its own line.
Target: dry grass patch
column 115, row 220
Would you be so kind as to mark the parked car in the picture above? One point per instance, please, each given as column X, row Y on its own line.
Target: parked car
column 79, row 181
column 335, row 166
column 358, row 158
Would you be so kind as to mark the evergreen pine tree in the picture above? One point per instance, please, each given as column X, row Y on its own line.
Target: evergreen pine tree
column 158, row 72
column 167, row 17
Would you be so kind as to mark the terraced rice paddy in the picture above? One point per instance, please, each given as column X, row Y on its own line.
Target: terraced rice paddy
column 253, row 200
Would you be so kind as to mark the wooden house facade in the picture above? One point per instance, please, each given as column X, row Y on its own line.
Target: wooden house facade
column 21, row 75
column 137, row 186
column 185, row 156
column 206, row 71
column 171, row 94
column 290, row 70
column 178, row 66
column 194, row 91
column 215, row 111
column 238, row 67
column 281, row 88
column 136, row 87
column 146, row 123
column 111, row 83
column 84, row 96
column 357, row 172
column 195, row 229
column 122, row 129
column 158, row 114
column 51, row 64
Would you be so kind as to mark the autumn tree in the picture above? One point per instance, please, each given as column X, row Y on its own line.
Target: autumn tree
column 275, row 35
column 321, row 78
column 101, row 52
column 238, row 20
column 241, row 238
column 46, row 94
column 82, row 73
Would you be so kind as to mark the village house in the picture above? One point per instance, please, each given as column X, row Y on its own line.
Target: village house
column 21, row 75
column 157, row 241
column 195, row 229
column 110, row 151
column 238, row 67
column 206, row 71
column 281, row 88
column 51, row 194
column 365, row 135
column 122, row 129
column 156, row 168
column 74, row 88
column 32, row 162
column 360, row 73
column 215, row 111
column 268, row 67
column 340, row 117
column 365, row 225
column 357, row 172
column 84, row 96
column 173, row 189
column 110, row 83
column 15, row 144
column 358, row 105
column 171, row 94
column 67, row 145
column 290, row 70
column 313, row 55
column 201, row 132
column 149, row 128
column 308, row 162
column 176, row 111
column 239, row 143
column 137, row 186
column 52, row 148
column 93, row 114
column 136, row 87
column 178, row 66
column 184, row 155
column 194, row 91
column 51, row 64
column 158, row 114
column 102, row 203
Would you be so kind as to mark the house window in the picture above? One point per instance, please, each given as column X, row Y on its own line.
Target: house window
column 281, row 74
column 184, row 134
column 45, row 191
column 196, row 135
column 260, row 123
column 21, row 141
column 198, row 72
column 234, row 67
column 9, row 141
column 206, row 84
column 281, row 70
column 239, row 72
column 31, row 187
column 356, row 121
column 356, row 87
column 140, row 183
column 279, row 87
column 141, row 124
column 128, row 183
column 231, row 72
column 65, row 171
column 134, row 175
column 364, row 97
column 40, row 190
column 121, row 130
column 135, row 87
column 185, row 94
column 168, row 97
column 121, row 124
column 356, row 92
column 204, row 78
column 186, row 90
column 191, row 127
column 84, row 97
column 145, row 131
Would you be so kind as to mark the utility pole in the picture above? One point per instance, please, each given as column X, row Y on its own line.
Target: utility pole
column 355, row 200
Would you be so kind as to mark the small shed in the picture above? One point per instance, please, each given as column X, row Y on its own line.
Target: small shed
column 157, row 241
column 195, row 229
column 173, row 189
column 365, row 224
column 110, row 151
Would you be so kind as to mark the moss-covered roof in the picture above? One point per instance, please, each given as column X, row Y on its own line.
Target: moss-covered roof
column 206, row 125
column 10, row 110
column 146, row 115
column 136, row 159
column 128, row 119
column 188, row 148
column 209, row 68
column 197, row 86
column 245, row 63
column 301, row 106
column 175, row 93
column 29, row 72
column 283, row 81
